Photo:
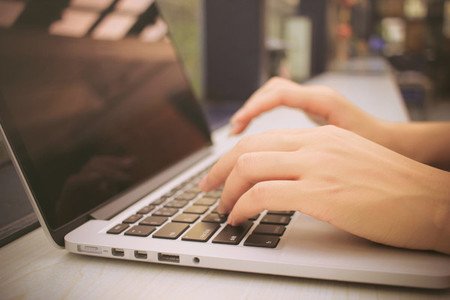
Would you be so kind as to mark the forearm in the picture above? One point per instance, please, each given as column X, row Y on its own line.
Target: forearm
column 426, row 142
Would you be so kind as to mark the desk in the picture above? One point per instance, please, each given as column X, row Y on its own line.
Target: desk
column 32, row 268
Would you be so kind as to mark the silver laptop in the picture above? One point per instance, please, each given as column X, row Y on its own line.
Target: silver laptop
column 110, row 144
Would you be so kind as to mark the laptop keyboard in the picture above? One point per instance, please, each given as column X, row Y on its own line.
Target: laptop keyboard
column 188, row 214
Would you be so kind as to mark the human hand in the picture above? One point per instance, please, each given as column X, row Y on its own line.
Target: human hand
column 322, row 104
column 338, row 177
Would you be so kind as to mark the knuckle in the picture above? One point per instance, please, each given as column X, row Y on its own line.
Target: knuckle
column 244, row 143
column 276, row 93
column 337, row 133
column 244, row 163
column 326, row 136
column 282, row 92
column 276, row 80
column 313, row 156
column 330, row 131
column 330, row 128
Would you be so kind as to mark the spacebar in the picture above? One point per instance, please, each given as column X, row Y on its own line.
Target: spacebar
column 232, row 235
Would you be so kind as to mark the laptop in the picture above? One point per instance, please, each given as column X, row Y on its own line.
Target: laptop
column 110, row 144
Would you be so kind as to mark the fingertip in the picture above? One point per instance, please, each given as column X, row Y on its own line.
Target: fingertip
column 234, row 218
column 235, row 129
column 237, row 115
column 234, row 221
column 231, row 221
column 203, row 184
column 221, row 208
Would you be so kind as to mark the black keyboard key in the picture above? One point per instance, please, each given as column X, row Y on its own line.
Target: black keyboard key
column 187, row 196
column 208, row 201
column 140, row 230
column 171, row 231
column 154, row 221
column 146, row 209
column 118, row 228
column 132, row 219
column 215, row 218
column 233, row 235
column 260, row 240
column 226, row 215
column 275, row 219
column 201, row 232
column 186, row 218
column 281, row 212
column 269, row 229
column 165, row 212
column 196, row 209
column 177, row 203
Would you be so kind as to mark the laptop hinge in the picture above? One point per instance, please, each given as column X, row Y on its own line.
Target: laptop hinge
column 132, row 196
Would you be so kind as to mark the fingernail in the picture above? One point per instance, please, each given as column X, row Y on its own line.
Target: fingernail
column 234, row 117
column 230, row 221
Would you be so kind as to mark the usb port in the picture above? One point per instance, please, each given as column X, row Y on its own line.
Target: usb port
column 140, row 254
column 168, row 258
column 118, row 252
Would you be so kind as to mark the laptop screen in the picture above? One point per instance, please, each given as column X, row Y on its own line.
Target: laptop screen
column 90, row 118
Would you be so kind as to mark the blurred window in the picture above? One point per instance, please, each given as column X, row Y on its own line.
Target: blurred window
column 415, row 9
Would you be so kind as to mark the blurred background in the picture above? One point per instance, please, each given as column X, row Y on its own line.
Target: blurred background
column 230, row 47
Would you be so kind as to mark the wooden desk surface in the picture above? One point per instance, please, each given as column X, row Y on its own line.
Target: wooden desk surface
column 32, row 268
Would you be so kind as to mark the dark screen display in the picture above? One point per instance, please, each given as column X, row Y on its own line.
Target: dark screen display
column 91, row 119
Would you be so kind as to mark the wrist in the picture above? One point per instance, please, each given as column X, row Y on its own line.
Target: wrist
column 384, row 134
column 399, row 137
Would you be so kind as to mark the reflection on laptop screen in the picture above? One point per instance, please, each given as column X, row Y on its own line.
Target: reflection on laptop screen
column 93, row 116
